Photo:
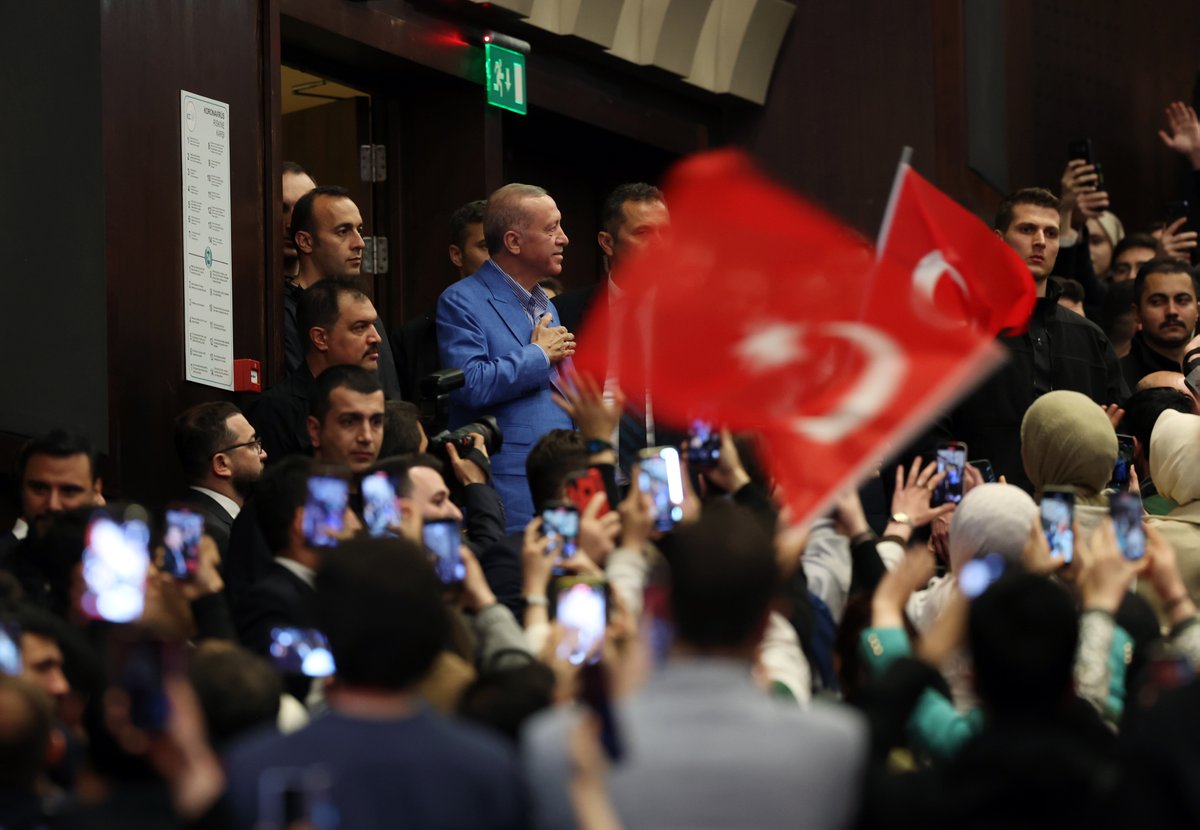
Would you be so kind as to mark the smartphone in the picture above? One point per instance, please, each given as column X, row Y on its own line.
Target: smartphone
column 1099, row 183
column 661, row 476
column 583, row 485
column 978, row 575
column 1176, row 209
column 581, row 608
column 10, row 650
column 1126, row 512
column 1121, row 470
column 1058, row 518
column 1080, row 148
column 380, row 513
column 301, row 651
column 594, row 691
column 325, row 509
column 138, row 667
column 296, row 797
column 181, row 542
column 703, row 446
column 115, row 563
column 560, row 524
column 951, row 460
column 985, row 469
column 443, row 538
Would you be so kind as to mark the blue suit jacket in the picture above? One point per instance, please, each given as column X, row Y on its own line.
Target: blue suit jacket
column 482, row 330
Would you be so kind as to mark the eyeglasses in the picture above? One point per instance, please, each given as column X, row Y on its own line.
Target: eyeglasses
column 255, row 442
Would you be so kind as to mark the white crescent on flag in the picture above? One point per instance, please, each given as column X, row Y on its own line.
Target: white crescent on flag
column 926, row 276
column 871, row 393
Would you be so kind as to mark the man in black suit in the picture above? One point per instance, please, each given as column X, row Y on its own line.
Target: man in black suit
column 56, row 472
column 326, row 228
column 222, row 458
column 284, row 597
column 337, row 320
column 632, row 216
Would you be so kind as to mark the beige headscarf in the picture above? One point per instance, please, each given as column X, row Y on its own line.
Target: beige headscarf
column 1068, row 441
column 1112, row 227
column 1175, row 456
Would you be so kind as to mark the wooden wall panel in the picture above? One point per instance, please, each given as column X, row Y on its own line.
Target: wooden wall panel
column 853, row 84
column 149, row 52
column 1105, row 69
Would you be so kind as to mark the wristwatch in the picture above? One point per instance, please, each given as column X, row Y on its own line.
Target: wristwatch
column 902, row 519
column 597, row 445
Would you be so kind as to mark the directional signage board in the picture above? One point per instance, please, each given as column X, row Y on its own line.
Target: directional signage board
column 505, row 78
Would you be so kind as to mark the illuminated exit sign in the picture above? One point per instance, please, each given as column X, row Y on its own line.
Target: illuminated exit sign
column 505, row 78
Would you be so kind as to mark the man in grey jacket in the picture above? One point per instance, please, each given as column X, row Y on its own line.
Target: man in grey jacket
column 703, row 745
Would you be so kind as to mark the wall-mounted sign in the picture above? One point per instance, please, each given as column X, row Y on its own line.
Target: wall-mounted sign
column 207, row 274
column 505, row 78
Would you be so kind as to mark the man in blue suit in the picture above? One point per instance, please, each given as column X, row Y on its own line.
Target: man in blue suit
column 501, row 329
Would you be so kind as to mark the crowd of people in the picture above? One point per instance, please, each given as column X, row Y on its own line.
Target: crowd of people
column 437, row 578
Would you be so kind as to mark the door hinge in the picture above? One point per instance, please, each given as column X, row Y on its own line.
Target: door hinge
column 372, row 162
column 375, row 255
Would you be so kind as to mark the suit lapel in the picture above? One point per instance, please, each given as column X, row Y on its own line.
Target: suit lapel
column 505, row 304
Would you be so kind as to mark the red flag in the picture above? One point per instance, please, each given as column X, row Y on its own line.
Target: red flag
column 963, row 267
column 760, row 312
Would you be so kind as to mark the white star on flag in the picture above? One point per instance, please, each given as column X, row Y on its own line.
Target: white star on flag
column 771, row 347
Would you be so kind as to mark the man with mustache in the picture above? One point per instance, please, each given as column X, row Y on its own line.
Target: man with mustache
column 338, row 321
column 1165, row 303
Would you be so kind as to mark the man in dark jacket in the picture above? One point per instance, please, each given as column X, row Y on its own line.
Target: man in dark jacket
column 1058, row 350
column 1165, row 298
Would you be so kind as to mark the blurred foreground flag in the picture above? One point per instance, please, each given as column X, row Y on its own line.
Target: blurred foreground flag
column 957, row 262
column 758, row 311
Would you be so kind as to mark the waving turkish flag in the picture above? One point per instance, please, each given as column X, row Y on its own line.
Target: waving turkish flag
column 758, row 311
column 959, row 264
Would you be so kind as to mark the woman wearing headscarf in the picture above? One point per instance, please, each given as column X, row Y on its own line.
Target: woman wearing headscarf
column 991, row 518
column 1068, row 441
column 1175, row 468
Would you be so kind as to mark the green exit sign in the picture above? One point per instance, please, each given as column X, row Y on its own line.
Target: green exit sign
column 505, row 78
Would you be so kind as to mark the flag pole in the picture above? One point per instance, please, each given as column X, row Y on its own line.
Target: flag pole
column 885, row 226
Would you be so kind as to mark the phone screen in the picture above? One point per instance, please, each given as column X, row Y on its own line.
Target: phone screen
column 978, row 574
column 181, row 542
column 325, row 509
column 703, row 446
column 662, row 478
column 10, row 649
column 442, row 539
column 301, row 651
column 581, row 609
column 582, row 487
column 115, row 563
column 1121, row 475
column 1126, row 512
column 1058, row 516
column 380, row 513
column 560, row 524
column 951, row 459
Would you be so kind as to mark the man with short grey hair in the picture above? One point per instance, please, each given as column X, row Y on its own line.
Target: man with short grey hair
column 501, row 330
